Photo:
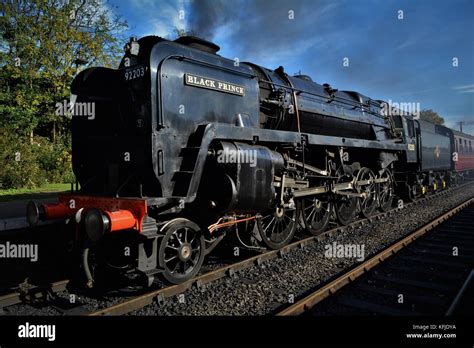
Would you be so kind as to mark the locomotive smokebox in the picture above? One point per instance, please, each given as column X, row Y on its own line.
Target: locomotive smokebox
column 244, row 175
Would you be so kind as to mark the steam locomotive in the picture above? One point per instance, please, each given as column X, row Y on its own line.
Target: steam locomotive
column 187, row 146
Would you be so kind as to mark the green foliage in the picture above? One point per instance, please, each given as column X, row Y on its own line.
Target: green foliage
column 34, row 164
column 55, row 160
column 40, row 44
column 431, row 116
column 19, row 166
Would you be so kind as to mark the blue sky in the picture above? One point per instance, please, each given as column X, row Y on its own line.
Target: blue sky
column 403, row 60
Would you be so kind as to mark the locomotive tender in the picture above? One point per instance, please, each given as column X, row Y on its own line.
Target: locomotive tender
column 187, row 146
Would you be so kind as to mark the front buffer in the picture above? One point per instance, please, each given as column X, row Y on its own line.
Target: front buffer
column 119, row 227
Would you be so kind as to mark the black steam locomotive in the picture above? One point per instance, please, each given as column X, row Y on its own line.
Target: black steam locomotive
column 187, row 146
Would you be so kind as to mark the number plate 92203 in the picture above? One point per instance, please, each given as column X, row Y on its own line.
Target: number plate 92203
column 135, row 73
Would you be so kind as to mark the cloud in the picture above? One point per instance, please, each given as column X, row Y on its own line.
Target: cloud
column 389, row 58
column 260, row 29
column 408, row 43
column 464, row 89
column 158, row 17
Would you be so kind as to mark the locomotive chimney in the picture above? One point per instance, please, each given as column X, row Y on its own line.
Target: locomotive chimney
column 198, row 43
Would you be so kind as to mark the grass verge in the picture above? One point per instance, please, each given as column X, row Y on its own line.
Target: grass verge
column 40, row 192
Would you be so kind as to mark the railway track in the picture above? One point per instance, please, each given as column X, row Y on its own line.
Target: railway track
column 31, row 294
column 425, row 273
column 200, row 282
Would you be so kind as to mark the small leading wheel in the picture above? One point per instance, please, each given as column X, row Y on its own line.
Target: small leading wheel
column 368, row 188
column 345, row 206
column 181, row 250
column 316, row 212
column 385, row 190
column 277, row 227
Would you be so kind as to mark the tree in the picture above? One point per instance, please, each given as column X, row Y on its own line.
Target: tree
column 431, row 116
column 39, row 44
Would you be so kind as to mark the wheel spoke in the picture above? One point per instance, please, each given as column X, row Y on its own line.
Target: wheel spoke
column 171, row 258
column 265, row 230
column 279, row 227
column 176, row 237
column 266, row 216
column 276, row 227
column 175, row 267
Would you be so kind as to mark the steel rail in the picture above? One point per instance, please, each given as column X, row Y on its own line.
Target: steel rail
column 34, row 292
column 455, row 304
column 229, row 270
column 327, row 290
